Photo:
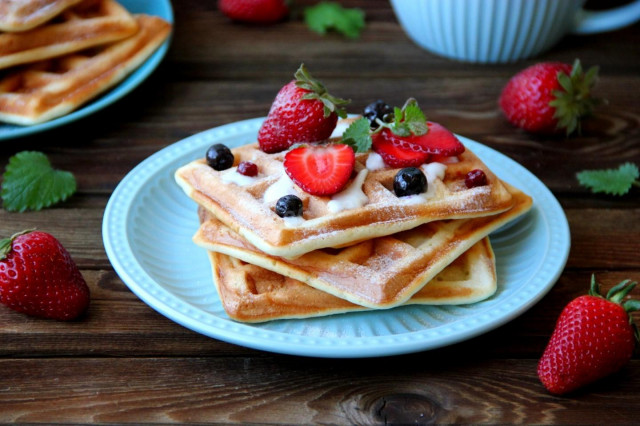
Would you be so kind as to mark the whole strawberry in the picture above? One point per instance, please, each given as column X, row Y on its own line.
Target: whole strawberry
column 549, row 97
column 39, row 278
column 254, row 11
column 593, row 338
column 303, row 111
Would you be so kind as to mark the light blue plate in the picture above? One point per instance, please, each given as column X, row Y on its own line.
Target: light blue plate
column 161, row 8
column 148, row 225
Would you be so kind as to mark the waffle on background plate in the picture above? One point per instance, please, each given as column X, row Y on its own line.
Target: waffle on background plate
column 430, row 249
column 79, row 51
column 22, row 15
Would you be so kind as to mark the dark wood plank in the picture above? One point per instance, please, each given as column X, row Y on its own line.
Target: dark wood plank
column 400, row 390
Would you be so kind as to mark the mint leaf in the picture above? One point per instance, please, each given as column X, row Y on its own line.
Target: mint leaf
column 611, row 181
column 326, row 16
column 410, row 120
column 30, row 183
column 357, row 135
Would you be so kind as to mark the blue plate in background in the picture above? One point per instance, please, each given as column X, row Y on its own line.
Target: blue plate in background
column 161, row 8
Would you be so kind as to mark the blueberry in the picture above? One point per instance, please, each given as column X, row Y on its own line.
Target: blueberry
column 219, row 157
column 409, row 181
column 475, row 178
column 378, row 109
column 289, row 206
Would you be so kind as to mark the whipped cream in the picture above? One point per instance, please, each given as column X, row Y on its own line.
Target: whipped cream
column 375, row 161
column 232, row 176
column 432, row 172
column 338, row 131
column 293, row 221
column 351, row 197
column 283, row 186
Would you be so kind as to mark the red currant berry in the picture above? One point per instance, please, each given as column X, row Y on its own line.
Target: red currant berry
column 247, row 168
column 475, row 178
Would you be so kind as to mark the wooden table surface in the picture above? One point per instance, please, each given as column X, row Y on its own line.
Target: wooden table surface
column 124, row 362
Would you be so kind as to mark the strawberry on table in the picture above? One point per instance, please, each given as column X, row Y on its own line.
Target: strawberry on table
column 303, row 111
column 593, row 338
column 320, row 169
column 254, row 11
column 549, row 97
column 38, row 277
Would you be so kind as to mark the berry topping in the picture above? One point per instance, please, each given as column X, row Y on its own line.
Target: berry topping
column 303, row 111
column 247, row 168
column 289, row 206
column 475, row 178
column 409, row 181
column 320, row 169
column 437, row 140
column 219, row 157
column 549, row 96
column 397, row 156
column 378, row 110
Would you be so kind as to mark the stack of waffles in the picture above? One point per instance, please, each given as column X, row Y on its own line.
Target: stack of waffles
column 382, row 252
column 56, row 55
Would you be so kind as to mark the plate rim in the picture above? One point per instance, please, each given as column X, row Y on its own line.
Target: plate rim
column 106, row 99
column 248, row 335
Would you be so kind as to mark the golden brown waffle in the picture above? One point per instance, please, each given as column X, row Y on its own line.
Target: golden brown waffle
column 55, row 87
column 243, row 208
column 88, row 24
column 250, row 293
column 22, row 15
column 378, row 273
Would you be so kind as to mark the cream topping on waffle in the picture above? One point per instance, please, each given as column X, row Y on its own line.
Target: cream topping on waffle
column 375, row 162
column 233, row 176
column 351, row 197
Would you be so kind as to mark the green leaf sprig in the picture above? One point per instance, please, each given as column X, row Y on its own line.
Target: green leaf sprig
column 611, row 181
column 30, row 183
column 331, row 16
column 406, row 121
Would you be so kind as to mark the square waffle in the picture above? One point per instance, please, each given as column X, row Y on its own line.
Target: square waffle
column 377, row 273
column 89, row 23
column 52, row 88
column 250, row 293
column 249, row 209
column 22, row 15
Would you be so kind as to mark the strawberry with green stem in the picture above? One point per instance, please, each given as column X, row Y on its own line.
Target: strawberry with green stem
column 303, row 111
column 38, row 277
column 549, row 97
column 594, row 337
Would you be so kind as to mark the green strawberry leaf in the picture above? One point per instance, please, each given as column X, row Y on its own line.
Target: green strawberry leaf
column 327, row 16
column 610, row 181
column 30, row 183
column 358, row 136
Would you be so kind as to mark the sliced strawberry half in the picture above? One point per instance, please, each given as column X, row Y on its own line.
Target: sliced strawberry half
column 396, row 155
column 320, row 169
column 438, row 140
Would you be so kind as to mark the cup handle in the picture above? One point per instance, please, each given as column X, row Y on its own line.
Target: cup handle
column 588, row 22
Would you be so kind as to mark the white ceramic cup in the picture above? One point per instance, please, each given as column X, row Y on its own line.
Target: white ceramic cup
column 500, row 31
